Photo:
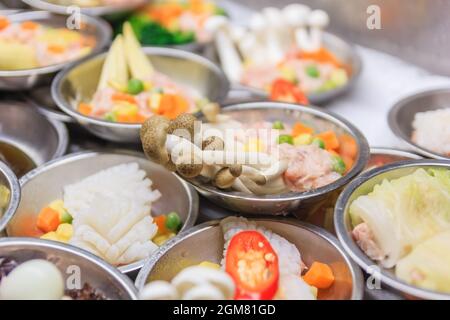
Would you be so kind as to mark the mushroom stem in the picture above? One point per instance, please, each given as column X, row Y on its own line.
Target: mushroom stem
column 273, row 42
column 318, row 21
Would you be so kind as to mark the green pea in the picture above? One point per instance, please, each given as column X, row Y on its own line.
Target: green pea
column 135, row 86
column 318, row 142
column 173, row 221
column 312, row 71
column 285, row 138
column 110, row 117
column 338, row 164
column 278, row 125
column 66, row 217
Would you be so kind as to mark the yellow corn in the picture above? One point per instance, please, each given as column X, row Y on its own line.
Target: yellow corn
column 50, row 236
column 208, row 264
column 64, row 232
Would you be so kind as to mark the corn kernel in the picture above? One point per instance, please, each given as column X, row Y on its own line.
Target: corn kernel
column 65, row 231
column 302, row 139
column 50, row 236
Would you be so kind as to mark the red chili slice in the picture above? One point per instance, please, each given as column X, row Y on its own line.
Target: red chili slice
column 253, row 265
column 285, row 91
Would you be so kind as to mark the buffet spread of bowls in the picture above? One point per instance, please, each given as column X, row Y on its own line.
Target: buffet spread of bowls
column 144, row 95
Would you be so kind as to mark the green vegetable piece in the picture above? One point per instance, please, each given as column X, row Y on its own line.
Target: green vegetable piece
column 110, row 117
column 338, row 164
column 339, row 77
column 278, row 125
column 66, row 217
column 135, row 86
column 173, row 221
column 318, row 142
column 220, row 12
column 285, row 138
column 312, row 71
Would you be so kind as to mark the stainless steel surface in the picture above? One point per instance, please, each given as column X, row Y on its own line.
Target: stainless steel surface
column 45, row 184
column 40, row 138
column 361, row 186
column 345, row 52
column 41, row 98
column 90, row 11
column 394, row 152
column 402, row 114
column 9, row 180
column 297, row 203
column 16, row 80
column 205, row 243
column 415, row 30
column 94, row 271
column 80, row 82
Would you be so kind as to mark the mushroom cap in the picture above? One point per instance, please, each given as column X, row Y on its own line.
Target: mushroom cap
column 183, row 126
column 236, row 170
column 189, row 165
column 153, row 137
column 237, row 32
column 257, row 22
column 213, row 143
column 318, row 19
column 273, row 16
column 296, row 14
column 214, row 23
column 224, row 179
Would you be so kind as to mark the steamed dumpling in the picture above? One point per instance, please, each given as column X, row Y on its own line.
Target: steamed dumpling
column 111, row 214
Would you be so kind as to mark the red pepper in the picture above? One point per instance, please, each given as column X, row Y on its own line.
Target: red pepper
column 285, row 91
column 253, row 265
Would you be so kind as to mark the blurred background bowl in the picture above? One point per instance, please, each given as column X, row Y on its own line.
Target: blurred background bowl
column 382, row 156
column 37, row 137
column 46, row 183
column 297, row 203
column 9, row 180
column 97, row 273
column 362, row 185
column 205, row 243
column 26, row 79
column 402, row 114
column 79, row 82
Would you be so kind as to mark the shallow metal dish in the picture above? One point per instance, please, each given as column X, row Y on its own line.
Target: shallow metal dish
column 80, row 81
column 9, row 180
column 41, row 99
column 40, row 138
column 46, row 183
column 345, row 52
column 402, row 114
column 297, row 203
column 396, row 154
column 29, row 78
column 205, row 243
column 361, row 186
column 90, row 11
column 93, row 270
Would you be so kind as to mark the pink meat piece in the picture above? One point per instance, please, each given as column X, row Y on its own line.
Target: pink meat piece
column 310, row 167
column 260, row 76
column 366, row 241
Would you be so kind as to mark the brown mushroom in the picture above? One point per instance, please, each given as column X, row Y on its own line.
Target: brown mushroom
column 213, row 143
column 183, row 126
column 189, row 165
column 224, row 179
column 153, row 138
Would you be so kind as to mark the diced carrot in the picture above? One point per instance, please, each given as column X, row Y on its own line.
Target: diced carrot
column 140, row 118
column 29, row 25
column 120, row 96
column 172, row 105
column 348, row 146
column 4, row 22
column 299, row 128
column 161, row 223
column 330, row 139
column 25, row 226
column 321, row 55
column 85, row 109
column 54, row 48
column 48, row 220
column 349, row 161
column 319, row 275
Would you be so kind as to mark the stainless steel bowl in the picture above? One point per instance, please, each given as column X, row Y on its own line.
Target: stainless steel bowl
column 80, row 82
column 297, row 203
column 104, row 10
column 344, row 51
column 45, row 184
column 205, row 243
column 396, row 155
column 29, row 78
column 40, row 138
column 402, row 114
column 94, row 271
column 41, row 99
column 361, row 186
column 9, row 180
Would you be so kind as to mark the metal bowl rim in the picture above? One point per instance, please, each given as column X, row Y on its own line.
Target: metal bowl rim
column 91, row 11
column 122, row 279
column 159, row 51
column 292, row 196
column 192, row 195
column 356, row 64
column 60, row 128
column 395, row 128
column 353, row 249
column 395, row 152
column 15, row 192
column 357, row 276
column 105, row 31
